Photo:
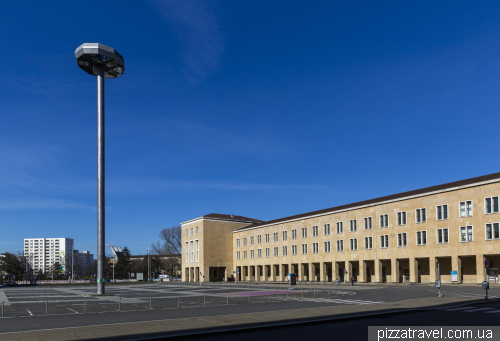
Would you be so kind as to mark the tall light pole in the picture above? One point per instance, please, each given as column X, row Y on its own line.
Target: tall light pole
column 104, row 62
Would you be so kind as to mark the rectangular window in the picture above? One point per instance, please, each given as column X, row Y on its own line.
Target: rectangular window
column 245, row 241
column 353, row 244
column 466, row 208
column 327, row 246
column 401, row 218
column 284, row 235
column 315, row 231
column 442, row 236
column 252, row 240
column 244, row 255
column 259, row 239
column 421, row 237
column 276, row 252
column 259, row 253
column 315, row 247
column 285, row 251
column 368, row 243
column 384, row 220
column 267, row 237
column 340, row 245
column 340, row 227
column 275, row 235
column 420, row 215
column 326, row 229
column 187, row 232
column 196, row 229
column 491, row 205
column 294, row 234
column 353, row 226
column 466, row 233
column 304, row 249
column 267, row 252
column 187, row 250
column 402, row 239
column 442, row 212
column 237, row 254
column 197, row 250
column 191, row 230
column 304, row 232
column 492, row 231
column 251, row 254
column 294, row 250
column 384, row 241
column 368, row 223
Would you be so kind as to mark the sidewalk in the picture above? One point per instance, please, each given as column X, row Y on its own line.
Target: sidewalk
column 138, row 330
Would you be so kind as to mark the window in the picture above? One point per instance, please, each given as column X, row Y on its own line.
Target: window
column 267, row 237
column 284, row 235
column 402, row 239
column 251, row 254
column 304, row 232
column 252, row 240
column 492, row 231
column 294, row 234
column 304, row 249
column 466, row 233
column 267, row 252
column 340, row 227
column 196, row 229
column 245, row 241
column 294, row 250
column 275, row 236
column 315, row 231
column 237, row 254
column 353, row 244
column 327, row 246
column 442, row 236
column 340, row 245
column 420, row 215
column 197, row 250
column 466, row 209
column 237, row 242
column 491, row 205
column 353, row 225
column 191, row 249
column 259, row 253
column 368, row 243
column 402, row 218
column 368, row 223
column 259, row 239
column 187, row 232
column 442, row 212
column 384, row 220
column 276, row 252
column 326, row 229
column 191, row 230
column 285, row 251
column 421, row 237
column 244, row 255
column 187, row 251
column 384, row 241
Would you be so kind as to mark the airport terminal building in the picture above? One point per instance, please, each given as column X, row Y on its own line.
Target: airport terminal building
column 398, row 238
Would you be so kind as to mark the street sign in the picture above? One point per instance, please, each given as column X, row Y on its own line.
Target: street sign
column 485, row 263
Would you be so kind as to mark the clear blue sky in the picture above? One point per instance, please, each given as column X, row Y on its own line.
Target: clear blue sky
column 256, row 108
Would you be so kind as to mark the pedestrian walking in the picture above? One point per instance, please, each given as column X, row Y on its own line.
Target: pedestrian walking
column 352, row 281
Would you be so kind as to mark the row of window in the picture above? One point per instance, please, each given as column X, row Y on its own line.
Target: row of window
column 442, row 237
column 192, row 231
column 192, row 249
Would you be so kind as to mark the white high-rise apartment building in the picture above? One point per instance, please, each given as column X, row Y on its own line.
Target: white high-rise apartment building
column 43, row 253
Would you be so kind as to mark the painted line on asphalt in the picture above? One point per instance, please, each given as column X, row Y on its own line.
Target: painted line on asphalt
column 3, row 298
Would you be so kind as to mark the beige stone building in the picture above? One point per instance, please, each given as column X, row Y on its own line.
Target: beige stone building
column 398, row 238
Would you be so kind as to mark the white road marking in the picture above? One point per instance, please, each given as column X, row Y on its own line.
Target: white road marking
column 479, row 309
column 31, row 314
column 72, row 310
column 3, row 298
column 492, row 312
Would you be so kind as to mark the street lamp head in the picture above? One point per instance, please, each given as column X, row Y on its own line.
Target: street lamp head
column 91, row 56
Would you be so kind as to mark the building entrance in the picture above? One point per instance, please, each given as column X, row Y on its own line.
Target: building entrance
column 493, row 275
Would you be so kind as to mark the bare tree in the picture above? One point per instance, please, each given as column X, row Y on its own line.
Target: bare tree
column 171, row 242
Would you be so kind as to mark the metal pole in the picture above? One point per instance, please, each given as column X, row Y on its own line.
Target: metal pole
column 72, row 256
column 101, row 257
column 439, row 278
column 486, row 280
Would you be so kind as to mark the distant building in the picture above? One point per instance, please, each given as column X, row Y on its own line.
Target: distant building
column 42, row 253
column 83, row 262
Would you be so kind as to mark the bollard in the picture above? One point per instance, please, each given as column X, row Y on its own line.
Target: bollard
column 119, row 304
column 46, row 307
column 178, row 302
column 85, row 305
column 150, row 302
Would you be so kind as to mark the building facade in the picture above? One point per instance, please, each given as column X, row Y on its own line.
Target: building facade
column 42, row 253
column 399, row 238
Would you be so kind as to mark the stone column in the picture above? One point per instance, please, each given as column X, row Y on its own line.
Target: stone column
column 301, row 272
column 413, row 263
column 480, row 269
column 456, row 265
column 312, row 272
column 348, row 267
column 264, row 270
column 282, row 272
column 243, row 273
column 190, row 274
column 377, row 264
column 394, row 270
column 323, row 272
column 273, row 273
column 335, row 271
column 258, row 271
column 362, row 271
column 433, row 269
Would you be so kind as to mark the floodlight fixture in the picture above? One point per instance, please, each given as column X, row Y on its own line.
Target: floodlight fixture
column 104, row 62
